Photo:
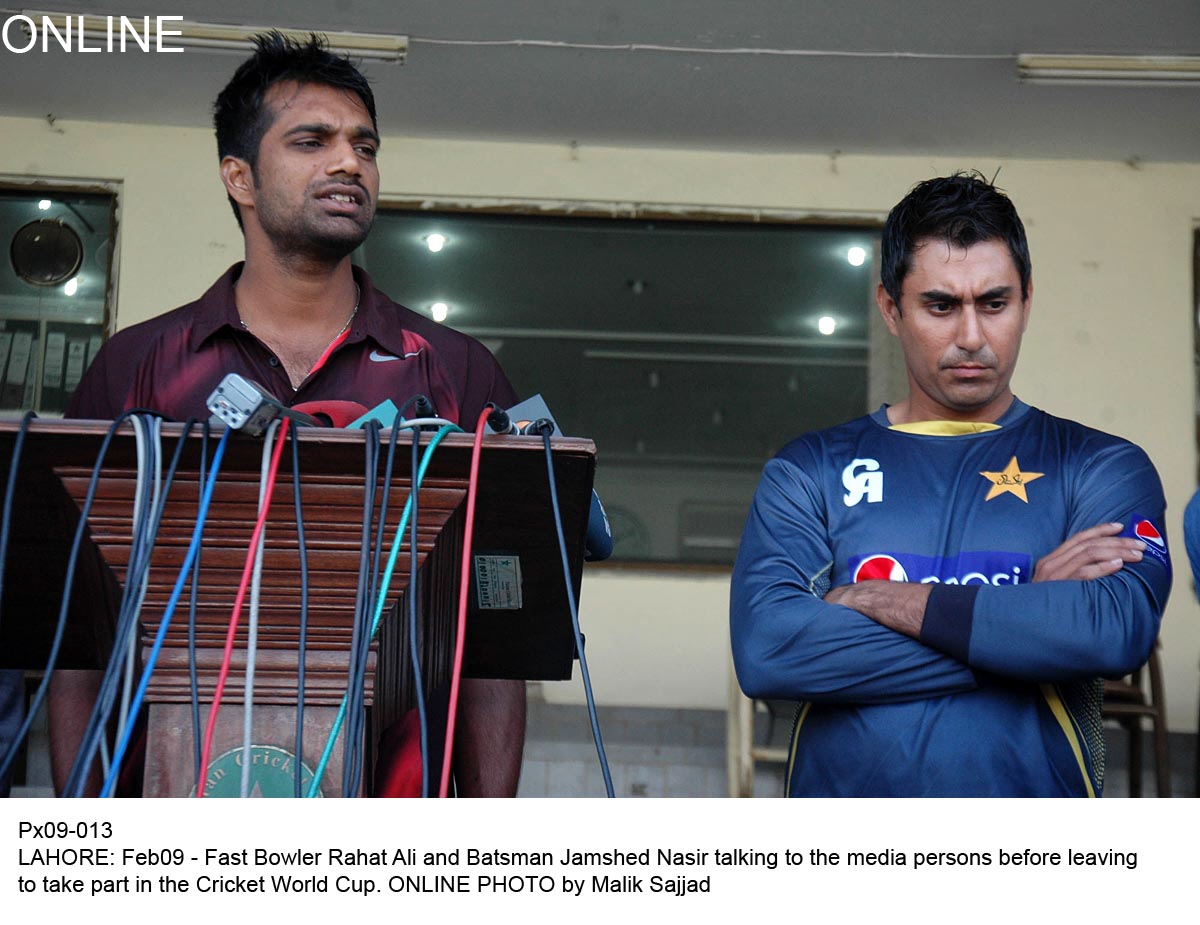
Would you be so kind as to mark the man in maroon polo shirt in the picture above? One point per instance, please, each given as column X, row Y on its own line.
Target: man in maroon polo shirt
column 297, row 138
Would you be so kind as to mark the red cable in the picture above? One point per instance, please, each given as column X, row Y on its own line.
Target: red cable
column 463, row 588
column 237, row 605
column 247, row 570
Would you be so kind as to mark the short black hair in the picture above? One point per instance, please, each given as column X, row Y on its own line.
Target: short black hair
column 963, row 209
column 241, row 115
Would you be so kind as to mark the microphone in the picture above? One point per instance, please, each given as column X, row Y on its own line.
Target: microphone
column 423, row 408
column 242, row 404
column 599, row 543
column 499, row 422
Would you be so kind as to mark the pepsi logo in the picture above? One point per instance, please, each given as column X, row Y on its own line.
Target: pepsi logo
column 1144, row 530
column 880, row 568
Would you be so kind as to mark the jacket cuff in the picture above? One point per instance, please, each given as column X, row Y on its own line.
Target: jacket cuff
column 948, row 616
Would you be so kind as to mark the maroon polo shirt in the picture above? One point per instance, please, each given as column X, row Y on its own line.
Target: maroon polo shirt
column 172, row 363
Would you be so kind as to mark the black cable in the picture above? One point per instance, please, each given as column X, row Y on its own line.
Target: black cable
column 18, row 445
column 303, row 644
column 383, row 504
column 562, row 548
column 423, row 403
column 372, row 598
column 126, row 626
column 414, row 647
column 365, row 638
column 364, row 618
column 194, row 579
column 60, row 627
column 359, row 645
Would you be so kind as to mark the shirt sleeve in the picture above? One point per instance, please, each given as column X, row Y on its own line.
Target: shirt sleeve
column 100, row 391
column 1069, row 630
column 787, row 642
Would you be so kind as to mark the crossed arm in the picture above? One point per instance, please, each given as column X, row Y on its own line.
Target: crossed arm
column 1092, row 610
column 1087, row 555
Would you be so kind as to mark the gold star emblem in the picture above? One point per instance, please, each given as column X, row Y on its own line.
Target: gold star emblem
column 1011, row 479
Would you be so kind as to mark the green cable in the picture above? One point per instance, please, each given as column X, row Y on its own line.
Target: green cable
column 319, row 773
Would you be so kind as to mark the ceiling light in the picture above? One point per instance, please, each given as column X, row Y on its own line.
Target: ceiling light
column 439, row 310
column 826, row 325
column 1132, row 70
column 44, row 204
column 220, row 36
column 856, row 256
column 435, row 242
column 72, row 286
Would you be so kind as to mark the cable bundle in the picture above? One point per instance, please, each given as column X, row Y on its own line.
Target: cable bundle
column 381, row 596
column 151, row 495
column 185, row 571
column 61, row 623
column 150, row 499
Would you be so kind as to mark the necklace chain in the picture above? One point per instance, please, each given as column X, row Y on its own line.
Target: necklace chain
column 345, row 327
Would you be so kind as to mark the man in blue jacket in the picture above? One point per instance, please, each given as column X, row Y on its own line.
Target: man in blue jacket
column 943, row 583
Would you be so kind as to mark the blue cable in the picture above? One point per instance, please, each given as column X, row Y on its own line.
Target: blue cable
column 164, row 624
column 587, row 681
column 193, row 684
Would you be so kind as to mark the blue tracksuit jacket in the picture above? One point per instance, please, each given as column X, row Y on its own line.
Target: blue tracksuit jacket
column 1001, row 694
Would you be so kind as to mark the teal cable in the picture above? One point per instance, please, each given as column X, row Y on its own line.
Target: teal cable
column 319, row 773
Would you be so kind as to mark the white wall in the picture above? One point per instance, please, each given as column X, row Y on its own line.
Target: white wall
column 1110, row 342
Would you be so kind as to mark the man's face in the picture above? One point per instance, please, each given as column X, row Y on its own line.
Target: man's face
column 960, row 321
column 316, row 179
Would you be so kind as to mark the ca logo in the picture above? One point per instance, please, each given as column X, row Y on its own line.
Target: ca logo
column 866, row 483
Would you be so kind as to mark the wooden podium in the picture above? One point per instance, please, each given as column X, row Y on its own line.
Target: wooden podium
column 519, row 630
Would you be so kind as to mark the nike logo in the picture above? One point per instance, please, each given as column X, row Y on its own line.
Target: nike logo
column 377, row 357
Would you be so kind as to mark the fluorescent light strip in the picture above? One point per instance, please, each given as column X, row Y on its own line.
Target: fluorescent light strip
column 481, row 333
column 217, row 36
column 1119, row 70
column 650, row 356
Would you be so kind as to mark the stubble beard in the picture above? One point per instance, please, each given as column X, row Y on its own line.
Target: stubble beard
column 966, row 396
column 309, row 236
